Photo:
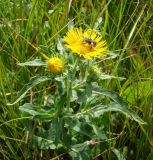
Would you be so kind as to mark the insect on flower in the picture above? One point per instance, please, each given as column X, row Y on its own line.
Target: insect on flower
column 90, row 42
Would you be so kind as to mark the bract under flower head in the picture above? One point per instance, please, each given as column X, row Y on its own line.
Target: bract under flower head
column 55, row 65
column 86, row 43
column 95, row 70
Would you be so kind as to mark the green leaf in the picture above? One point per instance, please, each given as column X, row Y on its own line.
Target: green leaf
column 110, row 55
column 97, row 23
column 74, row 96
column 118, row 154
column 85, row 94
column 79, row 152
column 106, row 76
column 121, row 105
column 42, row 143
column 78, row 126
column 57, row 124
column 79, row 147
column 37, row 112
column 60, row 46
column 60, row 103
column 60, row 85
column 36, row 62
column 100, row 134
column 114, row 96
column 101, row 109
column 33, row 82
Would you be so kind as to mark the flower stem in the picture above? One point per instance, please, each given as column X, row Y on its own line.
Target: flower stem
column 70, row 79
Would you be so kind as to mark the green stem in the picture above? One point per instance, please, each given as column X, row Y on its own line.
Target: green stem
column 69, row 93
column 70, row 78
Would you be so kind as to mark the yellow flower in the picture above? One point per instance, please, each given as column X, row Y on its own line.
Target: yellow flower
column 55, row 65
column 86, row 43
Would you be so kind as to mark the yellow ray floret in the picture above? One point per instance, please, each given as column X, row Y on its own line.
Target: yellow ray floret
column 86, row 43
column 55, row 65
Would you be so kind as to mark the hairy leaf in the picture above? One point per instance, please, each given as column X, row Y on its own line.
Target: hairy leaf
column 36, row 62
column 98, row 110
column 33, row 82
column 37, row 112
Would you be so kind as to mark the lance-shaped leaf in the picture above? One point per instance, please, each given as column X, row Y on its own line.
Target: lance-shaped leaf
column 33, row 82
column 98, row 110
column 37, row 112
column 112, row 95
column 36, row 62
column 106, row 76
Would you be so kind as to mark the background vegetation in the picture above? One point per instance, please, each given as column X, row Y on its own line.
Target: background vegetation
column 126, row 26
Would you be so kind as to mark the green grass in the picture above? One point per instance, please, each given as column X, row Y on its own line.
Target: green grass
column 127, row 28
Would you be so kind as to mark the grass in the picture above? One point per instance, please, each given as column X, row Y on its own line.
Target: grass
column 127, row 28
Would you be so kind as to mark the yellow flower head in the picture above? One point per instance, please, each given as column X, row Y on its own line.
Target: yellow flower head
column 86, row 43
column 55, row 65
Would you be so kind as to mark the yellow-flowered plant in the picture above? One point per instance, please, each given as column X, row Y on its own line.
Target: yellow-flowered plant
column 86, row 43
column 76, row 100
